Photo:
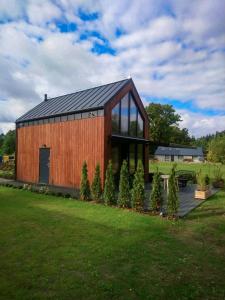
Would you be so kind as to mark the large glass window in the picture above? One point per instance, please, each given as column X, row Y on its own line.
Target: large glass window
column 126, row 119
column 116, row 119
column 133, row 118
column 140, row 127
column 124, row 115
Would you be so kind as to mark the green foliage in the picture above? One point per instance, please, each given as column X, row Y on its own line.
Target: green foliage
column 218, row 180
column 204, row 141
column 172, row 199
column 9, row 143
column 202, row 181
column 124, row 188
column 218, row 174
column 156, row 199
column 216, row 150
column 2, row 136
column 138, row 190
column 180, row 136
column 163, row 123
column 109, row 188
column 96, row 187
column 85, row 193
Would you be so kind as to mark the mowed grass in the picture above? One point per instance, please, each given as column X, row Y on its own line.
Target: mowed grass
column 56, row 248
column 206, row 168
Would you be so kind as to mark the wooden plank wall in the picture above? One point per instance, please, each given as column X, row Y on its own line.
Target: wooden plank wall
column 70, row 143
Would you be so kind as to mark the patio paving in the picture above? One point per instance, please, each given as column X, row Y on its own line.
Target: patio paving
column 186, row 195
column 186, row 199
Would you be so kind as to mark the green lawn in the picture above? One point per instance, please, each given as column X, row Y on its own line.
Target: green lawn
column 206, row 168
column 56, row 248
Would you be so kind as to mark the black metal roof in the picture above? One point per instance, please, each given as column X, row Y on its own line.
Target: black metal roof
column 179, row 151
column 93, row 98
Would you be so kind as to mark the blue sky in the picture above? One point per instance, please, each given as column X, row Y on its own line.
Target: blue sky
column 173, row 50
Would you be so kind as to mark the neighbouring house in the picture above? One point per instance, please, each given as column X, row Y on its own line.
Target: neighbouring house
column 179, row 154
column 103, row 123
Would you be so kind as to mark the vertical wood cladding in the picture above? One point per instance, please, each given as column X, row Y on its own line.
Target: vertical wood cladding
column 70, row 143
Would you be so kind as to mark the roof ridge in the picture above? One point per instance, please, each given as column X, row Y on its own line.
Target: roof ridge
column 98, row 86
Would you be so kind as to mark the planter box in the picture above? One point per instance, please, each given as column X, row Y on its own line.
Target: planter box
column 202, row 194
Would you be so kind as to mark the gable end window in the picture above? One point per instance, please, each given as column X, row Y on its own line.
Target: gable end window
column 126, row 118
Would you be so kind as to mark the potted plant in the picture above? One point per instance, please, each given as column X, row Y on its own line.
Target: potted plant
column 203, row 190
column 218, row 181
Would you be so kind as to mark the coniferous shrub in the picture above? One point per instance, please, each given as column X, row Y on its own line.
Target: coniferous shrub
column 85, row 193
column 172, row 199
column 124, row 188
column 156, row 199
column 138, row 190
column 109, row 187
column 96, row 187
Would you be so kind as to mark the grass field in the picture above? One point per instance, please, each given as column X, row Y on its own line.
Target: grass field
column 206, row 168
column 56, row 248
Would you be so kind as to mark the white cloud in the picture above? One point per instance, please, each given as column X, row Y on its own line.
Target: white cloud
column 157, row 30
column 39, row 12
column 199, row 124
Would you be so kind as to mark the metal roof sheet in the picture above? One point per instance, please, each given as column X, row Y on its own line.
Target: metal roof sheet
column 92, row 98
column 179, row 151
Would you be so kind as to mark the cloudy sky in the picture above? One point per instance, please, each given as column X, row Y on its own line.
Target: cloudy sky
column 173, row 49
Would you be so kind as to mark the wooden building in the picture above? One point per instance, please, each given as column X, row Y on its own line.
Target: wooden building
column 98, row 124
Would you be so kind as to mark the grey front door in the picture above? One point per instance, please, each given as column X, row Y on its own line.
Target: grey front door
column 44, row 156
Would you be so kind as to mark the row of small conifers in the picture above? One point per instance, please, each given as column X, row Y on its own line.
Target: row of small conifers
column 130, row 195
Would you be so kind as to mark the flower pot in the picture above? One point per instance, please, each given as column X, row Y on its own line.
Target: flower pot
column 202, row 195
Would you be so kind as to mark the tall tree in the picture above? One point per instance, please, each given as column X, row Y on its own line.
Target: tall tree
column 9, row 143
column 96, row 187
column 2, row 136
column 172, row 199
column 156, row 198
column 109, row 188
column 85, row 193
column 138, row 190
column 162, row 119
column 124, row 189
column 180, row 136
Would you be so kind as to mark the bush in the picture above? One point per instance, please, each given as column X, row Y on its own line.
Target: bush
column 67, row 195
column 156, row 199
column 85, row 193
column 96, row 187
column 172, row 199
column 124, row 188
column 109, row 188
column 138, row 190
column 58, row 194
column 202, row 181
